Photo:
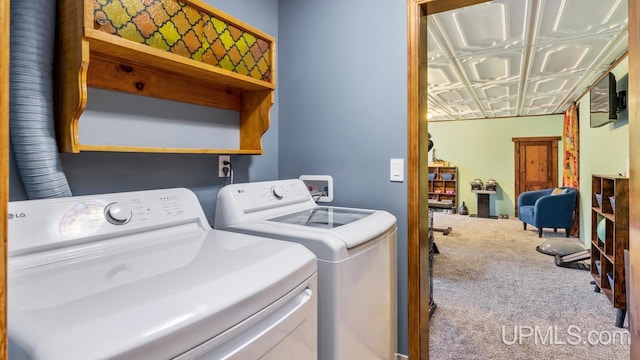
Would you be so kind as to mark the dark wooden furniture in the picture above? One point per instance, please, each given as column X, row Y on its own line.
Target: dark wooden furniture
column 443, row 192
column 607, row 254
column 483, row 202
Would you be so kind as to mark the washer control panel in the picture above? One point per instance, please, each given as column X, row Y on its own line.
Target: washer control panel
column 278, row 192
column 238, row 202
column 117, row 213
column 37, row 223
column 252, row 196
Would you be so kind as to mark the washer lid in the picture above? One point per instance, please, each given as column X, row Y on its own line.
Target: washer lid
column 351, row 226
column 323, row 217
column 151, row 298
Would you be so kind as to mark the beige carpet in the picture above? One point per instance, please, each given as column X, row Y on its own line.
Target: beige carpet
column 498, row 298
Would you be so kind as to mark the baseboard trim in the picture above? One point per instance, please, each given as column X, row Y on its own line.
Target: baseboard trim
column 401, row 357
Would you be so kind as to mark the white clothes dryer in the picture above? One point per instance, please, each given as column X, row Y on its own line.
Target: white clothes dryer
column 142, row 275
column 356, row 250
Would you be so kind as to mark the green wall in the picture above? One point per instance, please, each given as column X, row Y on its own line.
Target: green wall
column 603, row 150
column 484, row 149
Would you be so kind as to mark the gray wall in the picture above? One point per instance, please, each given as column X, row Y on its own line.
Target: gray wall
column 342, row 72
column 343, row 106
column 94, row 173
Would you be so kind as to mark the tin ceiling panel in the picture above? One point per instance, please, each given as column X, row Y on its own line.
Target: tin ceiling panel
column 508, row 58
column 442, row 74
column 568, row 56
column 486, row 27
column 503, row 66
column 500, row 91
column 564, row 19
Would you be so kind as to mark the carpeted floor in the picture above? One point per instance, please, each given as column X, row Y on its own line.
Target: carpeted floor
column 498, row 298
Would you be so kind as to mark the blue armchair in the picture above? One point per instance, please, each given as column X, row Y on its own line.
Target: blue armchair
column 543, row 209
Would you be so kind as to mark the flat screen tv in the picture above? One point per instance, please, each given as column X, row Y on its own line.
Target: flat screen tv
column 604, row 101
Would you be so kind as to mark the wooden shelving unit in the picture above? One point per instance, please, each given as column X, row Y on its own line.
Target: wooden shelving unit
column 607, row 254
column 185, row 51
column 443, row 191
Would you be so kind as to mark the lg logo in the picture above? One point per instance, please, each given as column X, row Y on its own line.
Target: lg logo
column 17, row 216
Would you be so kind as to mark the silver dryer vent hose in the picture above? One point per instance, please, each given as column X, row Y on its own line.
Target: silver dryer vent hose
column 31, row 99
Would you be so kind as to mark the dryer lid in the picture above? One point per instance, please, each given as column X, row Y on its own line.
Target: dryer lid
column 154, row 297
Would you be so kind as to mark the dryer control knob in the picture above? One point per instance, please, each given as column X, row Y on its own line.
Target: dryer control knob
column 117, row 214
column 276, row 193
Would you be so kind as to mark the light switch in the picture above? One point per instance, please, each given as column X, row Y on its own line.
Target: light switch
column 396, row 167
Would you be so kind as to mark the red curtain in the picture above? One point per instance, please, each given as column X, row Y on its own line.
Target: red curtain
column 570, row 174
column 570, row 169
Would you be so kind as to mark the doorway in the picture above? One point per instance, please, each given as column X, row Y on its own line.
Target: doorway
column 536, row 164
column 417, row 201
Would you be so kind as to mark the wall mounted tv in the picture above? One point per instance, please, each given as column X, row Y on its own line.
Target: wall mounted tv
column 606, row 102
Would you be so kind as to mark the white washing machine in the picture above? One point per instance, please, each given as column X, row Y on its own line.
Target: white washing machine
column 356, row 250
column 142, row 275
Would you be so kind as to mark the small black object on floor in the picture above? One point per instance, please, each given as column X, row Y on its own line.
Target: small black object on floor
column 571, row 264
column 566, row 254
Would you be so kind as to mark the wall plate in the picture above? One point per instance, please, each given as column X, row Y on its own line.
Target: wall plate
column 320, row 187
column 396, row 170
column 222, row 166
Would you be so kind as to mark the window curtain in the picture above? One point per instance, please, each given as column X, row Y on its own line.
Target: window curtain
column 570, row 175
column 571, row 161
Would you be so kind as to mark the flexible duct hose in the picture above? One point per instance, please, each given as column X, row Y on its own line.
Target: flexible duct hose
column 33, row 138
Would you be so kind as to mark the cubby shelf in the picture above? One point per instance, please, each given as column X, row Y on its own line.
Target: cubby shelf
column 607, row 253
column 443, row 192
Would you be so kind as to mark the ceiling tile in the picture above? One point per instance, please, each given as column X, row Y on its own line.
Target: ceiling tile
column 450, row 96
column 442, row 74
column 492, row 25
column 500, row 90
column 508, row 58
column 504, row 66
column 552, row 85
column 567, row 56
column 560, row 20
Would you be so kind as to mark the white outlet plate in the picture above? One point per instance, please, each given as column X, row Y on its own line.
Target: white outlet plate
column 221, row 165
column 396, row 170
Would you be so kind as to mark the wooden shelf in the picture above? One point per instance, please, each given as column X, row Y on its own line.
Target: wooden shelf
column 438, row 186
column 152, row 49
column 609, row 252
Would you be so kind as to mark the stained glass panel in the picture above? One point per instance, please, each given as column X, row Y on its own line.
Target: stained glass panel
column 176, row 27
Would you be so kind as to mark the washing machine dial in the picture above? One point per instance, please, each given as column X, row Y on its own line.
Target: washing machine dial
column 277, row 193
column 117, row 213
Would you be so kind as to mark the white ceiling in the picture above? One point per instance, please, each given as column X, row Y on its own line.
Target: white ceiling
column 508, row 58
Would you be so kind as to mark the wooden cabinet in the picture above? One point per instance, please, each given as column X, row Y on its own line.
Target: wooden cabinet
column 443, row 187
column 609, row 239
column 185, row 51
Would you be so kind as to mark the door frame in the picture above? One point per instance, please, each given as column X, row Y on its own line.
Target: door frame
column 633, row 101
column 417, row 182
column 417, row 201
column 5, row 11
